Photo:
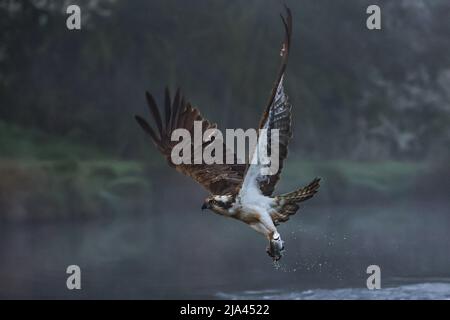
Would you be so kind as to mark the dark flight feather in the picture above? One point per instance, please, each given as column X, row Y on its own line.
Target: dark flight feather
column 167, row 106
column 154, row 111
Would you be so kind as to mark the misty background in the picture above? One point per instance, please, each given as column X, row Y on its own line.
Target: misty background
column 80, row 183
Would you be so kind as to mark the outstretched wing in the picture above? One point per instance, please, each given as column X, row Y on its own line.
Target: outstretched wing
column 277, row 115
column 216, row 178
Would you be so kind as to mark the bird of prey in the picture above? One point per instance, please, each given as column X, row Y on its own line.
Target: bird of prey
column 238, row 191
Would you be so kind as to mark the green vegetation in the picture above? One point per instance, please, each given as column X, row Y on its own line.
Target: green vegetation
column 19, row 142
column 354, row 181
column 48, row 177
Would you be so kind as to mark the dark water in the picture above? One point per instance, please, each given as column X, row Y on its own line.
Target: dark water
column 196, row 255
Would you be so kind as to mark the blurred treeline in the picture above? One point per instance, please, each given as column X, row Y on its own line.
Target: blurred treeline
column 358, row 95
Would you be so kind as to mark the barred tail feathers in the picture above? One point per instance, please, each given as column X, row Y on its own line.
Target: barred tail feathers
column 301, row 194
column 288, row 202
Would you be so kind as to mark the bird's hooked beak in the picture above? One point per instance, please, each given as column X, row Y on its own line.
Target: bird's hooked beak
column 205, row 206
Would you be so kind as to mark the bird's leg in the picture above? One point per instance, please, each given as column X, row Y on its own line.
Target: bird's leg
column 275, row 243
column 268, row 229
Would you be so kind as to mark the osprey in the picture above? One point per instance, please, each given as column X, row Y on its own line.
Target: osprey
column 238, row 191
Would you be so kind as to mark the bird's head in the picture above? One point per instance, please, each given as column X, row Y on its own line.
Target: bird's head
column 219, row 204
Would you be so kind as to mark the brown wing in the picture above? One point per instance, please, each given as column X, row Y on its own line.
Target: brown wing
column 277, row 114
column 216, row 178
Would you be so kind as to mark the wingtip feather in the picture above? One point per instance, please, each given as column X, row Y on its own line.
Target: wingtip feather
column 154, row 110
